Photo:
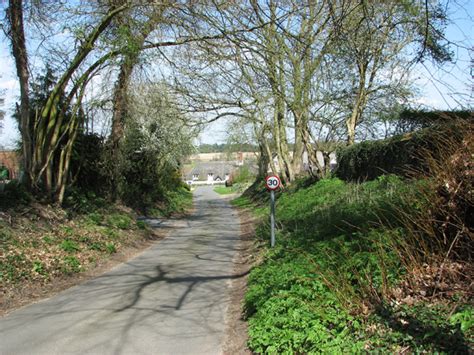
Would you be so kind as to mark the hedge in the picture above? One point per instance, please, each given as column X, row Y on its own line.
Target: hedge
column 401, row 155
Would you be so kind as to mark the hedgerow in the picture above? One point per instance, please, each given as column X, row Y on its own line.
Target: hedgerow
column 400, row 155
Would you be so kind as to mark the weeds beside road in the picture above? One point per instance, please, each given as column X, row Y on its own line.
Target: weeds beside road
column 346, row 277
column 44, row 249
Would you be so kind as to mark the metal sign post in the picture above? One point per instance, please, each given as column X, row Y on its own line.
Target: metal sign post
column 272, row 217
column 273, row 183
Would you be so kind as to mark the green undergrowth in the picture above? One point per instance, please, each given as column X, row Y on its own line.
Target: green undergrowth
column 43, row 243
column 40, row 242
column 327, row 285
column 245, row 202
column 174, row 202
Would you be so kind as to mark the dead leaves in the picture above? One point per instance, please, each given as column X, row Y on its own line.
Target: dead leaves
column 435, row 282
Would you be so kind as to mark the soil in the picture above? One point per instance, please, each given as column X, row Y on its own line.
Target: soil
column 236, row 331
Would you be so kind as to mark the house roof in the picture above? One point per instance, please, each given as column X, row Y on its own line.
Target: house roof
column 218, row 168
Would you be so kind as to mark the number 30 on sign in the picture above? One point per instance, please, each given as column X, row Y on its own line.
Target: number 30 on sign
column 272, row 182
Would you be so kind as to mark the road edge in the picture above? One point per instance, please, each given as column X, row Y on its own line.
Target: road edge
column 30, row 295
column 236, row 328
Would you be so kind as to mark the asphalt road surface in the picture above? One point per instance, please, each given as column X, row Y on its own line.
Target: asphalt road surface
column 171, row 299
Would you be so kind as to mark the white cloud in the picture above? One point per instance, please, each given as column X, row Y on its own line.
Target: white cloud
column 11, row 84
column 427, row 101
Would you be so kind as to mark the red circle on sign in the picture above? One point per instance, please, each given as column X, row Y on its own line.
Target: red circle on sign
column 272, row 182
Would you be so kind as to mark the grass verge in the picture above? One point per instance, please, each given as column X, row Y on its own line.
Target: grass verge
column 224, row 190
column 338, row 280
column 174, row 202
column 236, row 188
column 42, row 247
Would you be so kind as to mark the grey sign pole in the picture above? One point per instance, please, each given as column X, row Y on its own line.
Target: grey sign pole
column 272, row 217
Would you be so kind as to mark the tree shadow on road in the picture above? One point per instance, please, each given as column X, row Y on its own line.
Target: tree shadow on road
column 161, row 276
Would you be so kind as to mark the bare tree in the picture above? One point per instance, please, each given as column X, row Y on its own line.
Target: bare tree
column 18, row 45
column 374, row 43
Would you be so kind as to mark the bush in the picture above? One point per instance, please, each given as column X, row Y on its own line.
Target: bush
column 119, row 221
column 87, row 165
column 443, row 230
column 139, row 177
column 411, row 120
column 146, row 182
column 13, row 194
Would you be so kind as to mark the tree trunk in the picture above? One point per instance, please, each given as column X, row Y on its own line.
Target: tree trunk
column 49, row 166
column 120, row 111
column 121, row 100
column 327, row 163
column 297, row 162
column 66, row 153
column 351, row 126
column 356, row 114
column 299, row 147
column 15, row 16
column 263, row 160
column 315, row 169
column 279, row 135
column 360, row 102
column 276, row 78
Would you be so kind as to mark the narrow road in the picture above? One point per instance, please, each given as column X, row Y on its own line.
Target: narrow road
column 171, row 299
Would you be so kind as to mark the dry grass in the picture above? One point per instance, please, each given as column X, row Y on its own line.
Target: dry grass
column 438, row 240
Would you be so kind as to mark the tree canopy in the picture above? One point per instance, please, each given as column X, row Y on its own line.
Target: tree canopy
column 295, row 77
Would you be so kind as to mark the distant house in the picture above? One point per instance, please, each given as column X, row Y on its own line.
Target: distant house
column 209, row 172
column 10, row 160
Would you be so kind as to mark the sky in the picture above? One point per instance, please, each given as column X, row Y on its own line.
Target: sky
column 439, row 88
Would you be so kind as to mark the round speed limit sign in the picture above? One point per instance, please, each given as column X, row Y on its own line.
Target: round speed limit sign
column 272, row 182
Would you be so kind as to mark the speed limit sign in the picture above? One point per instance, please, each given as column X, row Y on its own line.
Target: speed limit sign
column 272, row 182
